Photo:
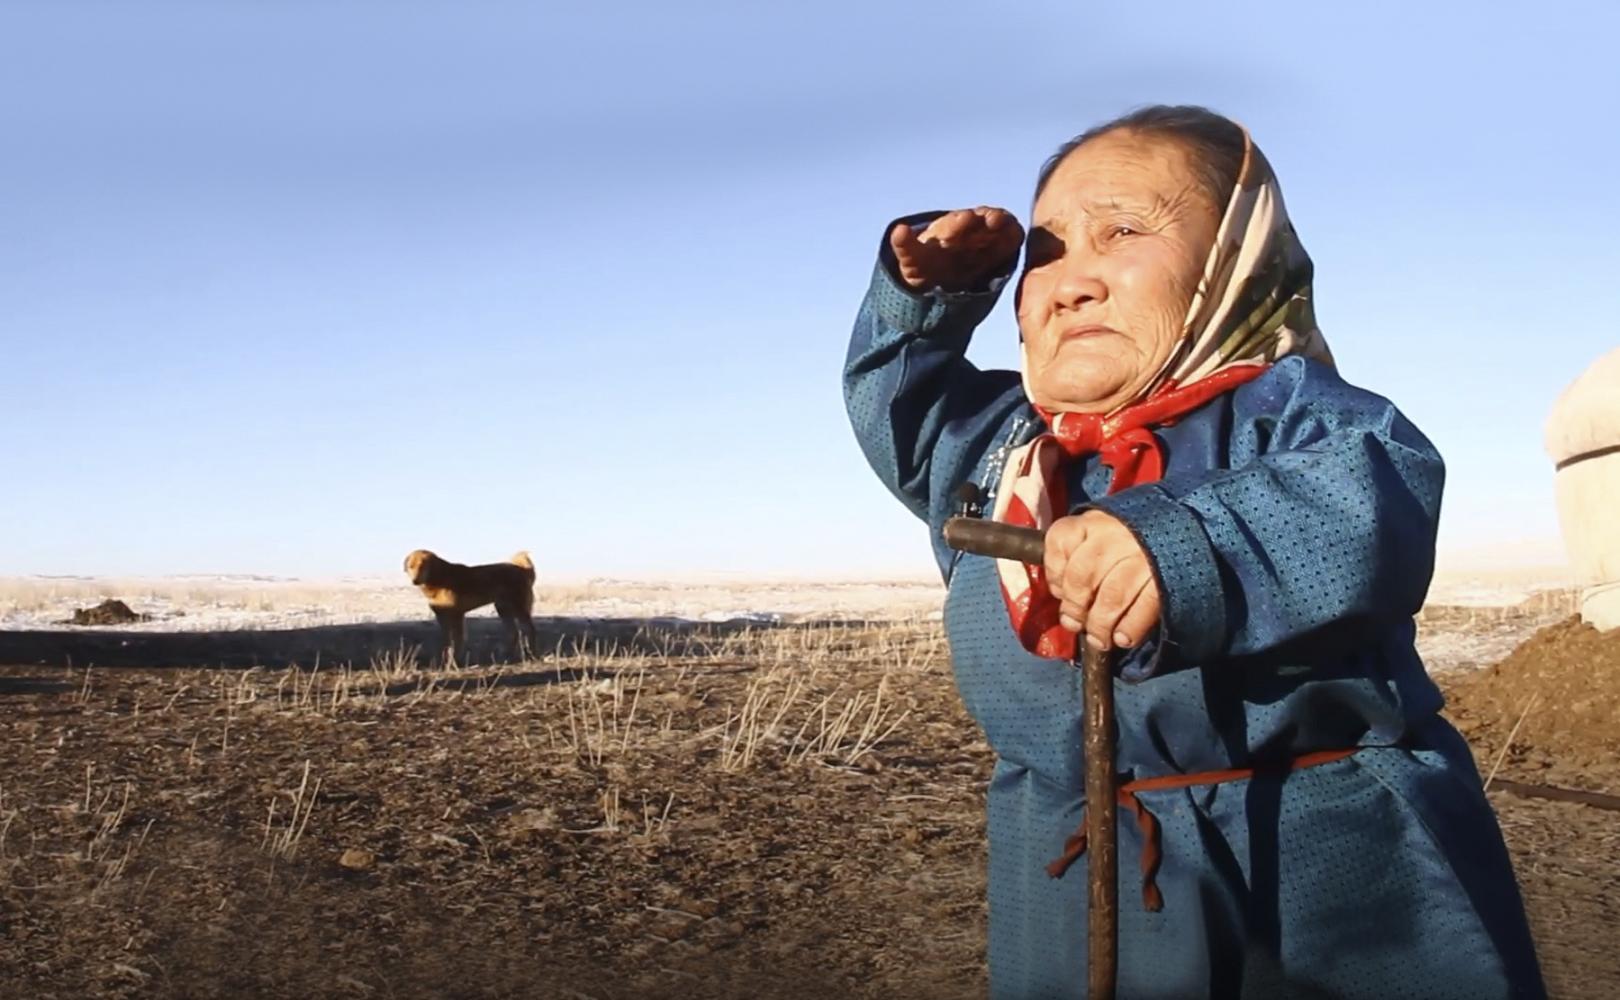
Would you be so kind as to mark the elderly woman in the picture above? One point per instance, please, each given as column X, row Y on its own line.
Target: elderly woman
column 1249, row 532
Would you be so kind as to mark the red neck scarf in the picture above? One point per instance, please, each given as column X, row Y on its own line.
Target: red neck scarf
column 1033, row 494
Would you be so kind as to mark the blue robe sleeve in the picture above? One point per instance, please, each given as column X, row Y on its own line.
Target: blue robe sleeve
column 923, row 414
column 1325, row 534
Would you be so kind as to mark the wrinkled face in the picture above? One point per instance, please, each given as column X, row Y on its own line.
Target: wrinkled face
column 1117, row 243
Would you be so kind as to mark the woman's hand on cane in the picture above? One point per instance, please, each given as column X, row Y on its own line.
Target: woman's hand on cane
column 1102, row 576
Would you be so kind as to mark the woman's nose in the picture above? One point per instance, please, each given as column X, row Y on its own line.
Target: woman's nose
column 1078, row 284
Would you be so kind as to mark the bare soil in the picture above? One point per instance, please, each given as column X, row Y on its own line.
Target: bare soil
column 652, row 809
column 1549, row 714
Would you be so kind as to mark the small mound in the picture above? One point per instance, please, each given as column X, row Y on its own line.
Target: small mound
column 1564, row 683
column 108, row 612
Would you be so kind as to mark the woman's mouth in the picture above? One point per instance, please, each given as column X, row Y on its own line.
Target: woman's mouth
column 1083, row 332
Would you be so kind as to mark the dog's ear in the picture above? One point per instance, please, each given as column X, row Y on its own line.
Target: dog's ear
column 415, row 563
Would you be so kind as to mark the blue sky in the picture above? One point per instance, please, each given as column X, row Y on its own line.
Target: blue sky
column 294, row 288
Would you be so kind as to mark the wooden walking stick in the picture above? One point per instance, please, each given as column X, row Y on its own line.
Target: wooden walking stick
column 1102, row 856
column 969, row 531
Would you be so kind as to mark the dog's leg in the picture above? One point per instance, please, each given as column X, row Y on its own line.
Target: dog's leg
column 510, row 617
column 453, row 633
column 531, row 641
column 461, row 639
column 526, row 618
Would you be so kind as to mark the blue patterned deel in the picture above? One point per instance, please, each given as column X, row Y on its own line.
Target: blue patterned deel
column 1292, row 536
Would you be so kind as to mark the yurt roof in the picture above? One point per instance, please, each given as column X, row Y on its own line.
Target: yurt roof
column 1586, row 416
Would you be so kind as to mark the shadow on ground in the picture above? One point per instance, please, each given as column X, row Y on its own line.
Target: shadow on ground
column 355, row 644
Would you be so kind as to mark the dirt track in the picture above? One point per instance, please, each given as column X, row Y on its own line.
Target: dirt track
column 614, row 823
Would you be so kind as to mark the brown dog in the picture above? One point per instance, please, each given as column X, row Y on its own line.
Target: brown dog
column 453, row 590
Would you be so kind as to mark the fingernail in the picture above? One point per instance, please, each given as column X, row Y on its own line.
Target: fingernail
column 1095, row 644
column 1121, row 639
column 1068, row 623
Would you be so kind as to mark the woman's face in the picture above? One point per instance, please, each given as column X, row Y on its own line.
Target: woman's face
column 1117, row 244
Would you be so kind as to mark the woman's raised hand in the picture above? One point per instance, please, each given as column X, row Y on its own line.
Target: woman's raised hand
column 958, row 251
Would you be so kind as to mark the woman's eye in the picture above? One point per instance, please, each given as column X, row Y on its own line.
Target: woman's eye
column 1118, row 231
column 1041, row 248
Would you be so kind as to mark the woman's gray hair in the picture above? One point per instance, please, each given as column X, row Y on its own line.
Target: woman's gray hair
column 1213, row 141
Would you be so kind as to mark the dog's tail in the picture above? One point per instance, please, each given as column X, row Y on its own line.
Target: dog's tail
column 522, row 559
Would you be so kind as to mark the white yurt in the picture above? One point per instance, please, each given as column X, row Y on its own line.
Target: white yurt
column 1583, row 438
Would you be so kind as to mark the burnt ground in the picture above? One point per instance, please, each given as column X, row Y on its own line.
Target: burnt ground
column 668, row 810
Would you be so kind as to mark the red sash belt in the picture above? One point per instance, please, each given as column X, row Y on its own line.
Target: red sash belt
column 1075, row 846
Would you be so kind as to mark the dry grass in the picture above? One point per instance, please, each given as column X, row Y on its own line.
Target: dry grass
column 647, row 814
column 388, row 595
column 1550, row 604
column 245, row 791
column 389, row 599
column 281, row 840
column 1465, row 636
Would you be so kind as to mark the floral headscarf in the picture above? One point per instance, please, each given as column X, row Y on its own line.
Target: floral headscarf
column 1251, row 307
